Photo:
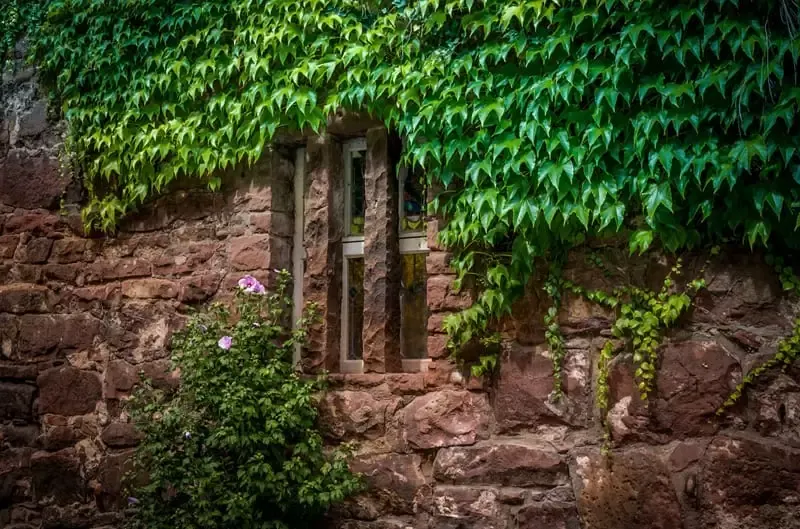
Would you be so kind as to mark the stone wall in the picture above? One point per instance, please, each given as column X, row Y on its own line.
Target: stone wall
column 81, row 316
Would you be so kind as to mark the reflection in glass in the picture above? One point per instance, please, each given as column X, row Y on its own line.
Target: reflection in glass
column 355, row 307
column 413, row 307
column 357, row 193
column 412, row 212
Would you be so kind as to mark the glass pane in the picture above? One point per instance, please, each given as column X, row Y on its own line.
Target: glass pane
column 413, row 307
column 355, row 307
column 412, row 211
column 357, row 193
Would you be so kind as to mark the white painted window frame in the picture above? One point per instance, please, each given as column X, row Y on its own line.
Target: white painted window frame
column 352, row 247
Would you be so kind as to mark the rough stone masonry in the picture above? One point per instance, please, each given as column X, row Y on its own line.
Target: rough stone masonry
column 81, row 315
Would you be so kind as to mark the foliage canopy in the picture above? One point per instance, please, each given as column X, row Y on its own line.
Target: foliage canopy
column 237, row 444
column 545, row 122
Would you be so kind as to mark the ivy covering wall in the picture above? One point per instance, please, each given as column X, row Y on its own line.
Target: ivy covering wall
column 544, row 123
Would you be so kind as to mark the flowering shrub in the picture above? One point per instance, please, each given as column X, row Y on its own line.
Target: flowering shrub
column 236, row 445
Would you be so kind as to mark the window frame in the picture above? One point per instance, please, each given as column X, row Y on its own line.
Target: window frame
column 353, row 247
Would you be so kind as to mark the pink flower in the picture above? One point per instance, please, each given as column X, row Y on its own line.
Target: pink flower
column 225, row 342
column 251, row 285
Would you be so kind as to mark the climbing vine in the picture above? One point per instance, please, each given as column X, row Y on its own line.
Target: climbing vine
column 544, row 122
column 788, row 349
column 17, row 19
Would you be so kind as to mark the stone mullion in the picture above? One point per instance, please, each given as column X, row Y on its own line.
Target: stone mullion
column 381, row 333
column 323, row 229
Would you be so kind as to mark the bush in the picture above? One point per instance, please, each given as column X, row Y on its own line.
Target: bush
column 237, row 445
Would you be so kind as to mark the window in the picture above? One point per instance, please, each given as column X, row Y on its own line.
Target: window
column 351, row 360
column 413, row 252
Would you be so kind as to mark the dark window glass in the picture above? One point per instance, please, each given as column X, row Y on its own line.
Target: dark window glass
column 355, row 307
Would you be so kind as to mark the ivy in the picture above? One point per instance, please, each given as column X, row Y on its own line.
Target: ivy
column 552, row 330
column 545, row 123
column 788, row 350
column 642, row 318
column 17, row 19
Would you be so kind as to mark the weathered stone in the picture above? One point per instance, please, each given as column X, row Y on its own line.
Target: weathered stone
column 18, row 436
column 16, row 401
column 392, row 479
column 199, row 288
column 150, row 288
column 44, row 334
column 19, row 298
column 185, row 259
column 113, row 468
column 36, row 223
column 70, row 250
column 30, row 181
column 524, row 390
column 121, row 435
column 694, row 379
column 105, row 270
column 456, row 507
column 381, row 329
column 687, row 453
column 441, row 296
column 34, row 121
column 444, row 418
column 8, row 245
column 35, row 251
column 628, row 490
column 549, row 515
column 322, row 235
column 8, row 334
column 61, row 272
column 250, row 253
column 57, row 476
column 438, row 263
column 121, row 376
column 68, row 391
column 512, row 462
column 437, row 346
column 749, row 483
column 354, row 414
column 14, row 464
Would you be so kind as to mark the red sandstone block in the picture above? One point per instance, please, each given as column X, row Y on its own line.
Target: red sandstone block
column 150, row 288
column 441, row 295
column 8, row 245
column 20, row 298
column 68, row 391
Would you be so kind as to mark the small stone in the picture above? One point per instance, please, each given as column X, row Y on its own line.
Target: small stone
column 58, row 476
column 121, row 435
column 68, row 391
column 444, row 418
column 20, row 298
column 16, row 401
column 507, row 462
column 150, row 288
column 35, row 251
